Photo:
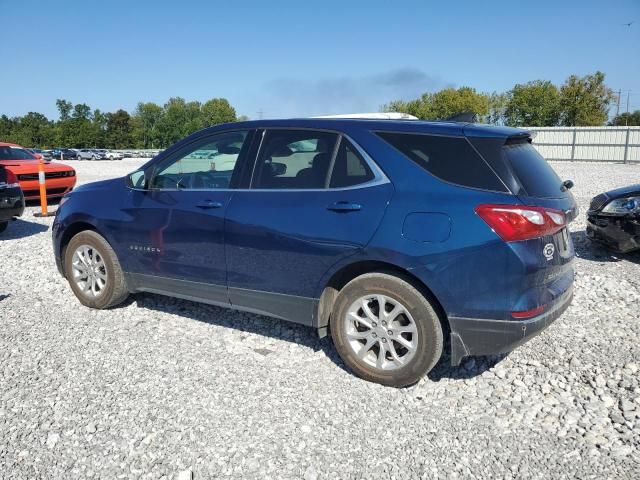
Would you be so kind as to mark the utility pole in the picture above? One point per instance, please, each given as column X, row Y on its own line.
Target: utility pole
column 618, row 105
column 626, row 117
column 260, row 114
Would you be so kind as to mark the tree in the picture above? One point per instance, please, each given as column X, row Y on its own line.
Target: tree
column 626, row 119
column 34, row 129
column 533, row 104
column 118, row 130
column 146, row 118
column 443, row 104
column 216, row 111
column 497, row 109
column 584, row 101
column 64, row 108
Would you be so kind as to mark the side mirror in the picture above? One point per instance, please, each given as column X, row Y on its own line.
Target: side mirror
column 38, row 156
column 278, row 168
column 566, row 185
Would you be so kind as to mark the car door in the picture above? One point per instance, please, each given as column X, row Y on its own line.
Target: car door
column 175, row 231
column 315, row 198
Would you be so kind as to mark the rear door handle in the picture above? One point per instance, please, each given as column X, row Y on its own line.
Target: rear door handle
column 206, row 204
column 344, row 207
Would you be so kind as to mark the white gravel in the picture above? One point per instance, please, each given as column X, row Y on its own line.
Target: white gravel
column 165, row 388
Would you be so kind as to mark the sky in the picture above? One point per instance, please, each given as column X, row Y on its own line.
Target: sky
column 298, row 58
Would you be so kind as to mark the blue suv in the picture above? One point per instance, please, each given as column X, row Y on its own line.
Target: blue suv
column 397, row 237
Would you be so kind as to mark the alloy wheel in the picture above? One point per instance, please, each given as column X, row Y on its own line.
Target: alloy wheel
column 381, row 332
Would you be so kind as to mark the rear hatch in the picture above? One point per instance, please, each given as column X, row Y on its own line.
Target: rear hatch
column 547, row 258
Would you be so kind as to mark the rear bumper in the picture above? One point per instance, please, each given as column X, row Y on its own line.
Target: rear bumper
column 471, row 336
column 618, row 233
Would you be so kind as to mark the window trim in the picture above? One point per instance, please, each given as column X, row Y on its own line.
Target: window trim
column 379, row 177
column 507, row 189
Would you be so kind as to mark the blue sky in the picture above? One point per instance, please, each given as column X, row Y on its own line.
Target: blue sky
column 297, row 58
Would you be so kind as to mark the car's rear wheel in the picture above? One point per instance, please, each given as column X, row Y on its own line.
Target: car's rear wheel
column 3, row 226
column 94, row 272
column 385, row 330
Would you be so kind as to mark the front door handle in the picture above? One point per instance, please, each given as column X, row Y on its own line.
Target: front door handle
column 206, row 204
column 344, row 207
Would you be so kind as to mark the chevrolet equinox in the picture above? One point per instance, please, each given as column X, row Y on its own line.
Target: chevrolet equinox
column 392, row 236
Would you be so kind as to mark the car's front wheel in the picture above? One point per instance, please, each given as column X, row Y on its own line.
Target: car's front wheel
column 3, row 226
column 94, row 272
column 385, row 330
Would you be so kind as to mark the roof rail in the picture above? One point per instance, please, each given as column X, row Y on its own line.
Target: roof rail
column 374, row 116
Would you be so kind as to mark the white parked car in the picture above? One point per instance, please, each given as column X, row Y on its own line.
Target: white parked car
column 111, row 155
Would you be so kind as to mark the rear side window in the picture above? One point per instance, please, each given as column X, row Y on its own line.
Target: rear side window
column 534, row 173
column 451, row 159
column 294, row 159
column 349, row 168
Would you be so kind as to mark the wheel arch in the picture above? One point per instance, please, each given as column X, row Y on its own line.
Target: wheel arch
column 70, row 232
column 349, row 272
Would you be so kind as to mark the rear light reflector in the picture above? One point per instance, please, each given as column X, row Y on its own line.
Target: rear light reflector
column 514, row 222
column 522, row 314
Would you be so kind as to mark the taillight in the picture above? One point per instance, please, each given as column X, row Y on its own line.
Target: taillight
column 513, row 223
column 12, row 179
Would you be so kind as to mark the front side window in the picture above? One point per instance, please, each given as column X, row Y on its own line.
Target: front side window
column 209, row 164
column 294, row 159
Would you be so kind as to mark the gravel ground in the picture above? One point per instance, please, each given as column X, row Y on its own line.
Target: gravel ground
column 164, row 388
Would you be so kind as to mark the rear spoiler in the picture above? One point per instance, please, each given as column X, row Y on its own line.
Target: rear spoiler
column 519, row 138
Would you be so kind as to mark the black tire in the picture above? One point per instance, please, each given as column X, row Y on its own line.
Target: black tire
column 429, row 330
column 115, row 290
column 3, row 226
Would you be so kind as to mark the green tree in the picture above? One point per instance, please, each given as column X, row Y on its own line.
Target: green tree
column 443, row 104
column 145, row 121
column 64, row 108
column 216, row 111
column 626, row 119
column 118, row 131
column 33, row 130
column 533, row 104
column 497, row 109
column 584, row 101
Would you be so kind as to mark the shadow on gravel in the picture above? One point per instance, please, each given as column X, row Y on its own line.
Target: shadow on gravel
column 21, row 229
column 593, row 251
column 257, row 324
column 291, row 332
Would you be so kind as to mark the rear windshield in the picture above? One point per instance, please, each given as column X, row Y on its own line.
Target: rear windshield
column 11, row 153
column 536, row 176
column 451, row 159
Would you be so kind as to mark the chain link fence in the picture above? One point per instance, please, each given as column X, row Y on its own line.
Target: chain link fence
column 591, row 144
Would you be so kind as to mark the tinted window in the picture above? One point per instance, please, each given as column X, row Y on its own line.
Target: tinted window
column 451, row 159
column 535, row 174
column 294, row 159
column 208, row 164
column 349, row 168
column 12, row 153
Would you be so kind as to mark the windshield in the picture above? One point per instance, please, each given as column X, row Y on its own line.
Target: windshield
column 13, row 153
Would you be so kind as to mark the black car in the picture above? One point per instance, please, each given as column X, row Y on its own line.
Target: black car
column 613, row 219
column 64, row 154
column 11, row 198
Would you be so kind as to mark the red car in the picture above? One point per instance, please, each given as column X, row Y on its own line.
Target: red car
column 59, row 178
